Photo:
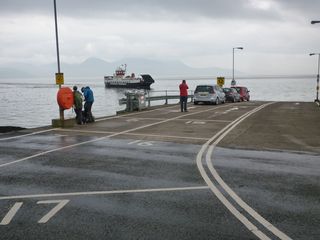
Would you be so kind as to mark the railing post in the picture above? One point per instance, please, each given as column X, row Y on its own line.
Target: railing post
column 166, row 97
column 149, row 101
column 191, row 98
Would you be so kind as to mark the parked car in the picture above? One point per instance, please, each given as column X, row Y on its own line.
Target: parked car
column 231, row 94
column 212, row 94
column 244, row 93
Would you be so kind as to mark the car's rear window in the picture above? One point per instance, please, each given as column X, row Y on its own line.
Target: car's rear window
column 237, row 88
column 204, row 89
column 226, row 90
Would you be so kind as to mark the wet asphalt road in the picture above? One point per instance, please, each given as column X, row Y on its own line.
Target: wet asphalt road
column 136, row 176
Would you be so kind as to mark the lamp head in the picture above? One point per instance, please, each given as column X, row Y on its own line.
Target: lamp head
column 311, row 54
column 314, row 22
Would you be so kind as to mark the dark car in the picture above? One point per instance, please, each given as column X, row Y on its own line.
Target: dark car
column 231, row 95
column 244, row 93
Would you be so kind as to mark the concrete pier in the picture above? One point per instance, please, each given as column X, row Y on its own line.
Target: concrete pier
column 248, row 170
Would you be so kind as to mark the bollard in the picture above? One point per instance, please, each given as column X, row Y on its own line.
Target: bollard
column 149, row 101
column 135, row 101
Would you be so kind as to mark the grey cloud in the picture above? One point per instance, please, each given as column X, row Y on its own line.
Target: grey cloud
column 305, row 7
column 27, row 6
column 150, row 9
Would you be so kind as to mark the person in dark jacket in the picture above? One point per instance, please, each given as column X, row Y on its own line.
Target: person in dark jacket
column 89, row 99
column 77, row 96
column 183, row 95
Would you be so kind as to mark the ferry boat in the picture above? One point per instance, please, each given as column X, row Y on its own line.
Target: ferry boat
column 120, row 80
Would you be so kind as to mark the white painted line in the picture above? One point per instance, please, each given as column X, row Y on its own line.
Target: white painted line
column 136, row 141
column 145, row 118
column 231, row 109
column 130, row 114
column 217, row 192
column 238, row 200
column 135, row 134
column 198, row 122
column 146, row 111
column 25, row 135
column 132, row 120
column 225, row 202
column 9, row 216
column 224, row 186
column 50, row 151
column 206, row 120
column 183, row 119
column 97, row 120
column 61, row 204
column 107, row 118
column 83, row 131
column 99, row 139
column 165, row 136
column 73, row 194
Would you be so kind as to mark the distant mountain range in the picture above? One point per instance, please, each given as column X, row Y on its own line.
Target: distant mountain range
column 95, row 67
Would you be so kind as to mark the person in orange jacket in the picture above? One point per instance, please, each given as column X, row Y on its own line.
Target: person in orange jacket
column 183, row 95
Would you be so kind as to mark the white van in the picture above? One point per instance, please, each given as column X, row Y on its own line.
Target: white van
column 212, row 94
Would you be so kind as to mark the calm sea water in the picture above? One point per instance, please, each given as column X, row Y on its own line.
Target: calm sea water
column 32, row 102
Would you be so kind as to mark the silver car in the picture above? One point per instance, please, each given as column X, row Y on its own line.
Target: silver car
column 212, row 94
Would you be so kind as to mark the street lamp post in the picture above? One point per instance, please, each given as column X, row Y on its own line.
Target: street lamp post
column 59, row 75
column 233, row 82
column 57, row 37
column 311, row 54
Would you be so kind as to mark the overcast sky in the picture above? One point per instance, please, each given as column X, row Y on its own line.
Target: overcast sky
column 276, row 35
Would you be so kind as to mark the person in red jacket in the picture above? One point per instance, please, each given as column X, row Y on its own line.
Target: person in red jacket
column 183, row 95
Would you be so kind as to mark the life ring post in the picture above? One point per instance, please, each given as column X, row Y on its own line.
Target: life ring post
column 65, row 101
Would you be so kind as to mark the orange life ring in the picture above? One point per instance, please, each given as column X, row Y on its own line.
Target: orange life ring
column 65, row 98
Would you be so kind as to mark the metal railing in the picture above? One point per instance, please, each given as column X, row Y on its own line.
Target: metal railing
column 152, row 96
column 165, row 95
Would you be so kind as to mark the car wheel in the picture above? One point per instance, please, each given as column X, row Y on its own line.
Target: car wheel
column 195, row 103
